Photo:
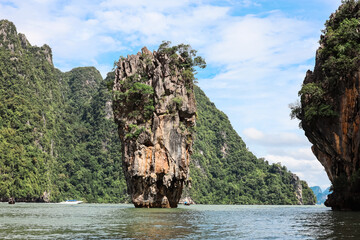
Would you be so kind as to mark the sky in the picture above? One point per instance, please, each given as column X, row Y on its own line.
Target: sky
column 257, row 54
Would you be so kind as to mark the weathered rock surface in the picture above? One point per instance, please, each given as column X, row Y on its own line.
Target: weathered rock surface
column 45, row 197
column 336, row 137
column 295, row 181
column 154, row 107
column 336, row 144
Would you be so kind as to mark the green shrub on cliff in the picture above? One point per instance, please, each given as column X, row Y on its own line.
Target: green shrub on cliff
column 185, row 59
column 316, row 106
column 138, row 98
column 188, row 59
column 339, row 56
column 341, row 49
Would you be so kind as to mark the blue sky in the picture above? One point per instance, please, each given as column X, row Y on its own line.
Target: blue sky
column 257, row 51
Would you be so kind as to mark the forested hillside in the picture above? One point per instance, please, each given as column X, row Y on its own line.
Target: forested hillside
column 57, row 136
column 89, row 160
column 58, row 139
column 224, row 171
column 30, row 100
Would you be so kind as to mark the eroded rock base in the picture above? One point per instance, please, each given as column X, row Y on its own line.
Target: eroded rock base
column 343, row 201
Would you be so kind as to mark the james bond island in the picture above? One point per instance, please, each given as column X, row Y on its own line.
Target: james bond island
column 330, row 108
column 154, row 107
column 58, row 138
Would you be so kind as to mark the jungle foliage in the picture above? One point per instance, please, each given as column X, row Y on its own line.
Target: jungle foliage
column 339, row 56
column 224, row 171
column 56, row 134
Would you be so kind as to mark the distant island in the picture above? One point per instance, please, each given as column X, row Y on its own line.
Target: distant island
column 321, row 196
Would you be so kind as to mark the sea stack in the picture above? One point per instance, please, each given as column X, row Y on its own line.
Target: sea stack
column 154, row 107
column 330, row 106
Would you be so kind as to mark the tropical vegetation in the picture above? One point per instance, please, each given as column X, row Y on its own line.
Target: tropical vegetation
column 339, row 56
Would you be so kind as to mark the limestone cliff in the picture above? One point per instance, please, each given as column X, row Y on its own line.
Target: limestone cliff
column 154, row 107
column 330, row 110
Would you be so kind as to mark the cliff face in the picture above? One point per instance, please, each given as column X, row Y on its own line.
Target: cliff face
column 336, row 144
column 330, row 110
column 154, row 107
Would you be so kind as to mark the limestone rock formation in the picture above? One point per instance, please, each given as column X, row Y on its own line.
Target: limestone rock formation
column 295, row 181
column 330, row 106
column 154, row 107
column 336, row 144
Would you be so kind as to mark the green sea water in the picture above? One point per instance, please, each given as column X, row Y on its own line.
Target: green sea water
column 123, row 221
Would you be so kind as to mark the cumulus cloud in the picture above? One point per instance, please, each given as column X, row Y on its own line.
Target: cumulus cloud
column 311, row 170
column 83, row 30
column 292, row 151
column 258, row 39
column 297, row 153
column 253, row 133
column 273, row 139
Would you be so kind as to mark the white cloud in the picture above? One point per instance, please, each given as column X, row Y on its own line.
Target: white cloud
column 311, row 170
column 297, row 153
column 272, row 40
column 273, row 139
column 253, row 133
column 298, row 165
column 84, row 30
column 248, row 3
column 290, row 150
column 158, row 5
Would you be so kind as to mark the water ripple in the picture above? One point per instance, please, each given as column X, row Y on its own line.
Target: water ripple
column 121, row 221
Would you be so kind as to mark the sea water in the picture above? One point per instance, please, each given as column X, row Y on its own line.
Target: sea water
column 123, row 221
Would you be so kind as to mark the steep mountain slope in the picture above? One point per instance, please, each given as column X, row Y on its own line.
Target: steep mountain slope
column 224, row 171
column 57, row 136
column 89, row 160
column 30, row 99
